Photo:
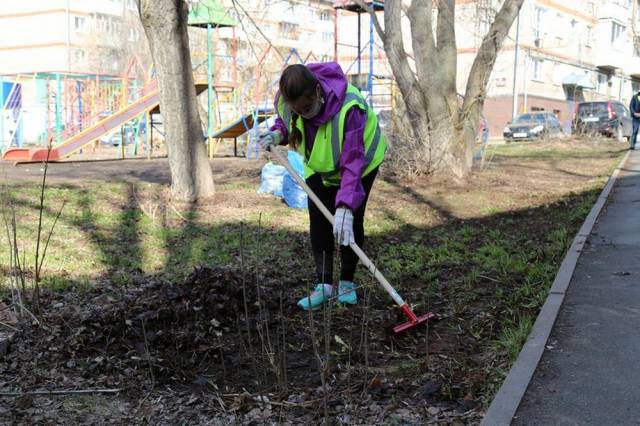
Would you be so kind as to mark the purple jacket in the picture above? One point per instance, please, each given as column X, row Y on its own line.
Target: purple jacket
column 334, row 85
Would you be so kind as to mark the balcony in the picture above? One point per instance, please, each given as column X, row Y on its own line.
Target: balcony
column 632, row 67
column 619, row 10
column 608, row 60
column 612, row 46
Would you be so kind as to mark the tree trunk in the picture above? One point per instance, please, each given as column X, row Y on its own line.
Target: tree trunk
column 165, row 24
column 476, row 88
column 429, row 92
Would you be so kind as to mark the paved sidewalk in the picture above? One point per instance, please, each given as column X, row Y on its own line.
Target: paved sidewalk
column 589, row 373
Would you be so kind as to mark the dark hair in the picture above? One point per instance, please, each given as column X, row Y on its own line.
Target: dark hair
column 296, row 81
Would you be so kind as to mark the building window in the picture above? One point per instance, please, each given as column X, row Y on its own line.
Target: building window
column 616, row 31
column 538, row 31
column 624, row 3
column 536, row 64
column 327, row 37
column 603, row 81
column 289, row 30
column 501, row 82
column 133, row 34
column 80, row 55
column 79, row 24
column 589, row 36
column 102, row 22
column 131, row 5
column 325, row 15
column 485, row 18
column 560, row 24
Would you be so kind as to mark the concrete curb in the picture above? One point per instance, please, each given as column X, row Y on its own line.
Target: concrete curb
column 506, row 402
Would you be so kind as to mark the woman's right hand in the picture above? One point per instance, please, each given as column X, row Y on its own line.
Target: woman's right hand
column 268, row 139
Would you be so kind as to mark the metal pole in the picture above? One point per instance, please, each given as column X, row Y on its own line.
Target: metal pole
column 68, row 37
column 358, row 57
column 58, row 108
column 123, row 134
column 150, row 124
column 209, row 90
column 515, row 70
column 2, row 100
column 335, row 35
column 147, row 134
column 526, row 76
column 621, row 82
column 370, row 80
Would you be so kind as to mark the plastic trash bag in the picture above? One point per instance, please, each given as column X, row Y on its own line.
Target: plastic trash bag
column 271, row 179
column 293, row 194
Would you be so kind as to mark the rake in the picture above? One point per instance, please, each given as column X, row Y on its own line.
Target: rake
column 414, row 320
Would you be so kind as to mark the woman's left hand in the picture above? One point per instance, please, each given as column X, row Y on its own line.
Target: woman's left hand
column 343, row 226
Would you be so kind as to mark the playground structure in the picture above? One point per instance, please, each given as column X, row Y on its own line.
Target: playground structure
column 372, row 77
column 65, row 108
column 77, row 110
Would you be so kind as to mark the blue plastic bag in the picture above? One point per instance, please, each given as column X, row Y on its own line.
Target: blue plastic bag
column 271, row 179
column 293, row 194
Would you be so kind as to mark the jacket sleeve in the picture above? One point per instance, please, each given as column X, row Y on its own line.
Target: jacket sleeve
column 280, row 125
column 351, row 193
column 282, row 128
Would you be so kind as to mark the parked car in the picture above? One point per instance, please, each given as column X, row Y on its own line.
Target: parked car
column 609, row 118
column 533, row 125
column 115, row 139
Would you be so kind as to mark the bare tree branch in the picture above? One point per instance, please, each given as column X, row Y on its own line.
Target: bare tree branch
column 485, row 59
column 396, row 53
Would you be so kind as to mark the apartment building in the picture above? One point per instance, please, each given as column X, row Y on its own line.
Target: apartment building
column 568, row 51
column 248, row 57
column 105, row 37
column 270, row 32
column 70, row 36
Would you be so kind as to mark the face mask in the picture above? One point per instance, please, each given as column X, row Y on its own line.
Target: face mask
column 317, row 106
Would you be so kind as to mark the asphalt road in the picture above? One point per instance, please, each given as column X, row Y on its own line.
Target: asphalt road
column 590, row 371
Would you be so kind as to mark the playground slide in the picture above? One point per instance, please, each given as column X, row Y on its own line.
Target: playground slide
column 88, row 135
column 242, row 124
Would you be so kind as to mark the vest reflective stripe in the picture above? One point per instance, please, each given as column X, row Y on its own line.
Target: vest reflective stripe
column 330, row 136
column 335, row 139
column 368, row 158
column 335, row 127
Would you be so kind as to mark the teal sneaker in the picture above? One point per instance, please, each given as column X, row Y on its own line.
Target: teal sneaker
column 321, row 294
column 347, row 293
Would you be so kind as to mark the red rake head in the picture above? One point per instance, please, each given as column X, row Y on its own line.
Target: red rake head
column 413, row 319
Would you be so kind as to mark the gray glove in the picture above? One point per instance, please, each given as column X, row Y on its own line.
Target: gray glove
column 343, row 226
column 268, row 139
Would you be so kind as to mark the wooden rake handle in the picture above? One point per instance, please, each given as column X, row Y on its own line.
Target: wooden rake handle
column 357, row 250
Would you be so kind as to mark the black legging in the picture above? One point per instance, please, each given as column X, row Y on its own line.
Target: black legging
column 321, row 231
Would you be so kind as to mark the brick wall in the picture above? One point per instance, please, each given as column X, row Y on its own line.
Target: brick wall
column 498, row 110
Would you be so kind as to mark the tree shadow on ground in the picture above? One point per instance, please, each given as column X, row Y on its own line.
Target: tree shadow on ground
column 221, row 314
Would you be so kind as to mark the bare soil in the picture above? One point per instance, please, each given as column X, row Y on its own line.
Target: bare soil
column 228, row 345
